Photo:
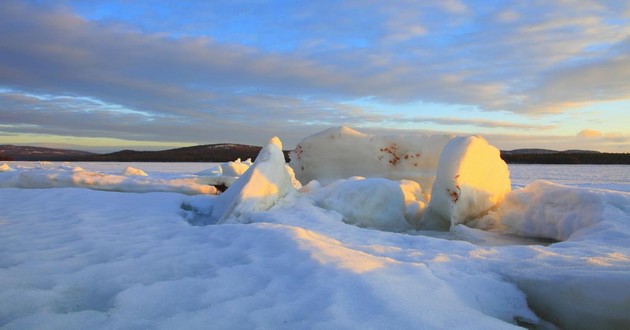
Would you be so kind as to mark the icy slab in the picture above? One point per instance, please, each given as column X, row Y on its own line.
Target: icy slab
column 471, row 179
column 258, row 189
column 132, row 171
column 341, row 152
column 5, row 168
column 375, row 203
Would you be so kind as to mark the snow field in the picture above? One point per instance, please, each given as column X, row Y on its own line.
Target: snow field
column 339, row 252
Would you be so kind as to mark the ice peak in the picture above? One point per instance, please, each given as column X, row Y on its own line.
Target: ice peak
column 275, row 141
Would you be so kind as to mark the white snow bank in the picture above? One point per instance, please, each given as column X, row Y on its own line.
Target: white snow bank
column 100, row 260
column 342, row 152
column 72, row 177
column 132, row 171
column 5, row 168
column 582, row 299
column 471, row 179
column 547, row 210
column 258, row 189
column 376, row 203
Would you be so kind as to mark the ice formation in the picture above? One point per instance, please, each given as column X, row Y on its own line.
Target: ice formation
column 258, row 189
column 62, row 177
column 5, row 167
column 462, row 178
column 339, row 153
column 225, row 173
column 373, row 202
column 471, row 179
column 132, row 171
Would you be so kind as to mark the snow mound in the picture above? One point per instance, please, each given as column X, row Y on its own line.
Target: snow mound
column 132, row 171
column 5, row 168
column 547, row 210
column 415, row 201
column 341, row 152
column 79, row 178
column 225, row 173
column 228, row 169
column 258, row 189
column 375, row 202
column 471, row 179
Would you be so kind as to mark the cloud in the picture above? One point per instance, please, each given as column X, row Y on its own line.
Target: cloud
column 252, row 74
column 601, row 136
column 589, row 133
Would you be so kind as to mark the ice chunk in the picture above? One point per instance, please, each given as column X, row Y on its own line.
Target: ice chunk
column 547, row 210
column 341, row 152
column 376, row 203
column 132, row 171
column 5, row 168
column 471, row 179
column 258, row 189
column 225, row 173
column 415, row 201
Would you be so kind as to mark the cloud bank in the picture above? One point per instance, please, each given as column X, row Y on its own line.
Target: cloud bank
column 213, row 72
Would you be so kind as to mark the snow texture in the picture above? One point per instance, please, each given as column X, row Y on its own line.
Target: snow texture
column 374, row 202
column 340, row 255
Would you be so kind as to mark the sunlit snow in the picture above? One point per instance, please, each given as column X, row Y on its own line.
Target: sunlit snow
column 84, row 247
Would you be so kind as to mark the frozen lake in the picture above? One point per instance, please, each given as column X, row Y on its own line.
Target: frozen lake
column 75, row 257
column 613, row 177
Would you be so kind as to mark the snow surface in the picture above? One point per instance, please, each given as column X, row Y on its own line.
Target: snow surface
column 320, row 256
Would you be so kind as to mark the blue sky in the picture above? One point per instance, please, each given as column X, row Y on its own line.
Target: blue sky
column 158, row 74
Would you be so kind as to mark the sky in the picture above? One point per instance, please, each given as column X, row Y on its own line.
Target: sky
column 146, row 75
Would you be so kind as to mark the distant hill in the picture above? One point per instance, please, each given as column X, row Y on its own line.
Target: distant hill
column 204, row 153
column 27, row 153
column 532, row 151
column 544, row 156
column 528, row 152
column 227, row 152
